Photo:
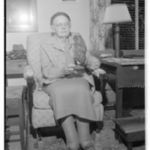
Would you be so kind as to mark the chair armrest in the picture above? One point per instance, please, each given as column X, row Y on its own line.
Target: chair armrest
column 27, row 72
column 101, row 75
column 30, row 83
column 26, row 103
column 28, row 75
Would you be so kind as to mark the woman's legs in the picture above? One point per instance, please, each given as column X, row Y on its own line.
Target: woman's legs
column 70, row 133
column 84, row 134
column 74, row 138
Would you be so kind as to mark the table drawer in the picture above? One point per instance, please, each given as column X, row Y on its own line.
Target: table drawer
column 130, row 76
column 15, row 66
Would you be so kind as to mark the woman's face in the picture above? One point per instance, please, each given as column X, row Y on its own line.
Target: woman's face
column 61, row 26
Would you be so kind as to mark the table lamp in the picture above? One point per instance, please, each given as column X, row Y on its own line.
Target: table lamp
column 115, row 14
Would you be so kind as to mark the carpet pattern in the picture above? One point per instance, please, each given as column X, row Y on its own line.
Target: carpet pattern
column 105, row 140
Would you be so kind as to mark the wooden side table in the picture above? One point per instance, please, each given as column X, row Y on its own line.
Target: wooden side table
column 14, row 114
column 125, row 73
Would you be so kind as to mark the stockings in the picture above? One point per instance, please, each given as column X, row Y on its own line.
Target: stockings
column 79, row 136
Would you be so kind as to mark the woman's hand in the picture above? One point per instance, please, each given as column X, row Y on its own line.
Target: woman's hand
column 59, row 72
column 67, row 70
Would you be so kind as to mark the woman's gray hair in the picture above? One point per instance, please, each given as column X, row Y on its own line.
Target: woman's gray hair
column 59, row 14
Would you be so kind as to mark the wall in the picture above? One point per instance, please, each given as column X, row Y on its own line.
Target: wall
column 78, row 11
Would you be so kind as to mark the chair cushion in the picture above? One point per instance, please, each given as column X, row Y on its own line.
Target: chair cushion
column 41, row 100
column 42, row 118
column 99, row 111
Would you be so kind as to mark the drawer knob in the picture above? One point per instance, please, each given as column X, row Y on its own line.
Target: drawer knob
column 135, row 67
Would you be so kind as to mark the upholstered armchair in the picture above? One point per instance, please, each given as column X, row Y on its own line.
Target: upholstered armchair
column 38, row 112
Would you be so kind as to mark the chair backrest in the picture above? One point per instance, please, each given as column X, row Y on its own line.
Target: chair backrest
column 33, row 52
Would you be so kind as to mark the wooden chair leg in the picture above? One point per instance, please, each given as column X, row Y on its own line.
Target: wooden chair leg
column 24, row 122
column 27, row 127
column 99, row 126
column 38, row 143
column 21, row 123
column 129, row 145
column 117, row 137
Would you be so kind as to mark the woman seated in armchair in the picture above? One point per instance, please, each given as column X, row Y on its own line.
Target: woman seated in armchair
column 64, row 63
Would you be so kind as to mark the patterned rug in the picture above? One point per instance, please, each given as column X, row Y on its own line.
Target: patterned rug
column 105, row 140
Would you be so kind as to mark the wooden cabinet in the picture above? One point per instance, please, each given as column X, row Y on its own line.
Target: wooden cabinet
column 13, row 114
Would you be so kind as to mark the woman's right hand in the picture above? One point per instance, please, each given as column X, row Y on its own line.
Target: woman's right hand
column 66, row 70
column 59, row 72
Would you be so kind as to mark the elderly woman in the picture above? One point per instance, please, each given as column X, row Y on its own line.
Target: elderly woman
column 64, row 59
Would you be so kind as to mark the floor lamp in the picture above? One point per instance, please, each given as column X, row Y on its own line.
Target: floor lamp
column 115, row 14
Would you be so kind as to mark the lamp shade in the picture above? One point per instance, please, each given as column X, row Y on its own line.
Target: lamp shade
column 117, row 13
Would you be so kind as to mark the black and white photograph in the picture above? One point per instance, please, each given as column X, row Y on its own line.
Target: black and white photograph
column 74, row 75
